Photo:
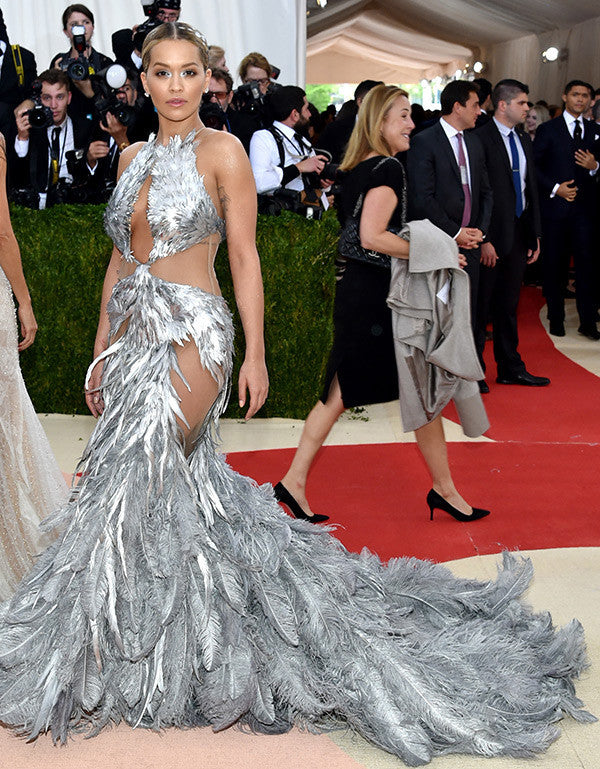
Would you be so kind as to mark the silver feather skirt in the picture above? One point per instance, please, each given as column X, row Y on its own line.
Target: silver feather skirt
column 179, row 593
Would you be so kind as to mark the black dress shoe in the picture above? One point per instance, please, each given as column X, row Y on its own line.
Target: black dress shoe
column 483, row 386
column 524, row 378
column 557, row 329
column 283, row 495
column 435, row 501
column 590, row 331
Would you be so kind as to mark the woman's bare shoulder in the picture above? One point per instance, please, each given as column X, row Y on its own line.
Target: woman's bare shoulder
column 130, row 152
column 128, row 155
column 226, row 144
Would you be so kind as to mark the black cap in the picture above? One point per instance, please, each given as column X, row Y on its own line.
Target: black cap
column 173, row 5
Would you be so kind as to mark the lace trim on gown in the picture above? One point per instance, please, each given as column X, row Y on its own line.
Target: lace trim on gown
column 31, row 485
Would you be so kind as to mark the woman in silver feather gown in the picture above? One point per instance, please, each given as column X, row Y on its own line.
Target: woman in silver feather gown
column 31, row 485
column 179, row 593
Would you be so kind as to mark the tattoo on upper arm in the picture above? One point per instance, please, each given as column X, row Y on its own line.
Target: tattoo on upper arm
column 224, row 198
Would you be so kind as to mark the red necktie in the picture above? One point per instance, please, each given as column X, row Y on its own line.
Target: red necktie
column 464, row 178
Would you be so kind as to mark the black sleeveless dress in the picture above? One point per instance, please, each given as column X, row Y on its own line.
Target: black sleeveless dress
column 362, row 355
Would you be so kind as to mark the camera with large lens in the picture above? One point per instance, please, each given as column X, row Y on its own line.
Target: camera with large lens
column 39, row 115
column 151, row 9
column 303, row 203
column 77, row 68
column 106, row 83
column 248, row 99
column 143, row 31
column 212, row 115
column 329, row 171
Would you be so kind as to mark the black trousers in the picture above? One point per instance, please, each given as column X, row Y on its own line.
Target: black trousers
column 563, row 237
column 473, row 257
column 498, row 300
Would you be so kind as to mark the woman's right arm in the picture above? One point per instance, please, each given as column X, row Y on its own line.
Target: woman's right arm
column 93, row 395
column 378, row 207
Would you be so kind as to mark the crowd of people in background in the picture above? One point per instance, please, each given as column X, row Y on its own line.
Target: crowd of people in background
column 66, row 127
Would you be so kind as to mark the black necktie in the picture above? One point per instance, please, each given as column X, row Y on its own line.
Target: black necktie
column 577, row 133
column 55, row 143
column 54, row 156
column 299, row 139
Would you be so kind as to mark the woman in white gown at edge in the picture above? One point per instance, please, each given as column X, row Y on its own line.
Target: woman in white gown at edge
column 31, row 485
column 179, row 593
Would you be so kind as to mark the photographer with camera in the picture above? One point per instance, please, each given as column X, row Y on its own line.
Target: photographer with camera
column 254, row 68
column 283, row 160
column 115, row 102
column 50, row 146
column 249, row 100
column 121, row 123
column 127, row 43
column 17, row 73
column 220, row 94
column 81, row 60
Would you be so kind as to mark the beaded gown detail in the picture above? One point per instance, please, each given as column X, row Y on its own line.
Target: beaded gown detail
column 179, row 593
column 31, row 485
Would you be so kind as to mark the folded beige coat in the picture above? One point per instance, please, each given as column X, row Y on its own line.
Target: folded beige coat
column 435, row 351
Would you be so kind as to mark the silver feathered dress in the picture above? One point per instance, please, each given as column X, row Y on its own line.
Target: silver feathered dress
column 180, row 594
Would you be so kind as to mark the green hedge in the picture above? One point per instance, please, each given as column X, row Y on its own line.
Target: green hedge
column 65, row 253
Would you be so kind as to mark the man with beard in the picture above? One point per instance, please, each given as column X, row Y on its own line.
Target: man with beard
column 281, row 156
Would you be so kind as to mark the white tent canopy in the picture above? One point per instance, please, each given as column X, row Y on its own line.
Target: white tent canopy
column 377, row 39
column 276, row 28
column 390, row 50
column 391, row 40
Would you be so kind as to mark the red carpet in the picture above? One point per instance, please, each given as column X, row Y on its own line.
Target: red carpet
column 540, row 478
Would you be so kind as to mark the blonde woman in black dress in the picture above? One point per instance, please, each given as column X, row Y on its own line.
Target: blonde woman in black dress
column 362, row 368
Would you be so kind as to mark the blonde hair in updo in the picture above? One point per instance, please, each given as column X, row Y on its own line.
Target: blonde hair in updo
column 176, row 30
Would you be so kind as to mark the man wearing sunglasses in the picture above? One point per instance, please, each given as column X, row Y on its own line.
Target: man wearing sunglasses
column 220, row 92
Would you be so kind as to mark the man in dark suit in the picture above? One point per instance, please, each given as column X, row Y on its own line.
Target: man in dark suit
column 447, row 177
column 335, row 137
column 514, row 234
column 485, row 100
column 38, row 155
column 17, row 73
column 566, row 152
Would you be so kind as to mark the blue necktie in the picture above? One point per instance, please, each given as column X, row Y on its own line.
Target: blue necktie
column 516, row 174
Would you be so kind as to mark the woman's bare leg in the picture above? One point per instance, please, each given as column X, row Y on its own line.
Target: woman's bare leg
column 432, row 445
column 316, row 428
column 195, row 403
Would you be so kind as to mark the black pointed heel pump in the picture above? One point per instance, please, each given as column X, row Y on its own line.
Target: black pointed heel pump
column 283, row 495
column 434, row 500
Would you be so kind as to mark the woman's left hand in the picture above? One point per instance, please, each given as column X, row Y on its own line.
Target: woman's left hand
column 28, row 325
column 255, row 380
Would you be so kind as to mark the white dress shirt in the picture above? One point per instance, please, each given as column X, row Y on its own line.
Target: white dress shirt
column 505, row 132
column 137, row 60
column 66, row 142
column 570, row 120
column 2, row 52
column 452, row 133
column 264, row 158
